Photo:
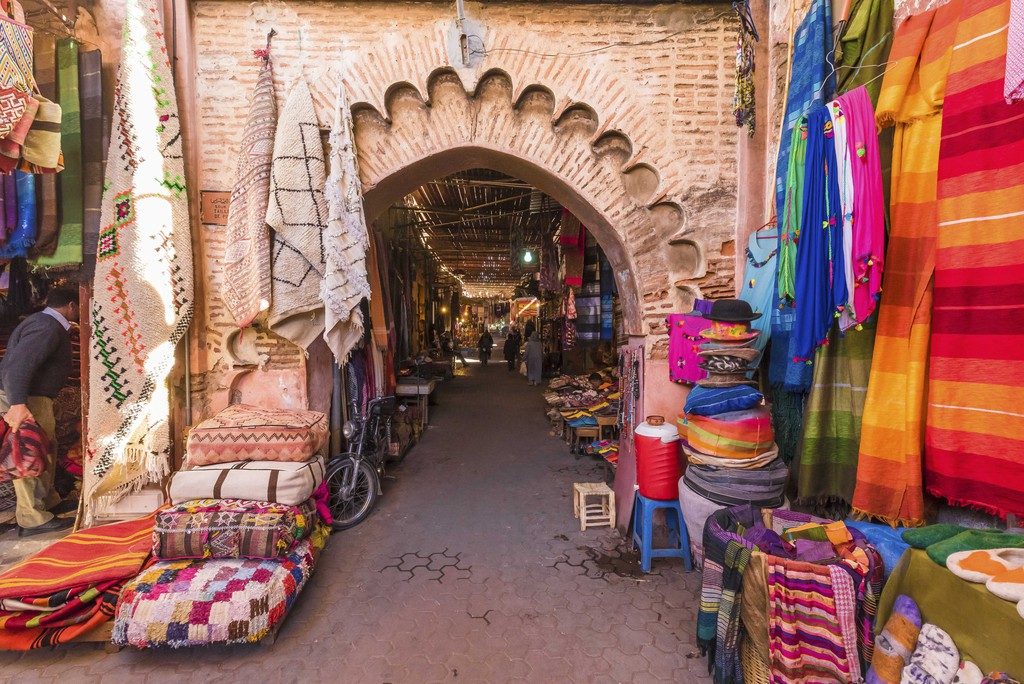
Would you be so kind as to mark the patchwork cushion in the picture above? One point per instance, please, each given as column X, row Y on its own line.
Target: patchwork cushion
column 231, row 528
column 273, row 481
column 181, row 603
column 252, row 433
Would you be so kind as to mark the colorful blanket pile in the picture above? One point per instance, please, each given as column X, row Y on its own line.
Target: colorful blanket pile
column 70, row 588
column 231, row 528
column 143, row 298
column 889, row 483
column 217, row 601
column 974, row 450
column 811, row 631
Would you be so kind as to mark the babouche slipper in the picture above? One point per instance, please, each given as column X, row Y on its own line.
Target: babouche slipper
column 982, row 565
column 1008, row 585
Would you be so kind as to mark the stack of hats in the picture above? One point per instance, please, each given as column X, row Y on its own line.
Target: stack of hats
column 726, row 428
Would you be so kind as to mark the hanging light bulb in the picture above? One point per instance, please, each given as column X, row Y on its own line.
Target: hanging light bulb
column 527, row 256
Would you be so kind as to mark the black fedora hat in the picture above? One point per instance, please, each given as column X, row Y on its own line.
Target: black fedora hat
column 732, row 311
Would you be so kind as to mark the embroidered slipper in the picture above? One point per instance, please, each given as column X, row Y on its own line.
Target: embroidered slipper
column 935, row 658
column 982, row 565
column 1008, row 585
column 896, row 643
column 968, row 673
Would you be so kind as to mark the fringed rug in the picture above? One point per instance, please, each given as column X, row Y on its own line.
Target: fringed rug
column 142, row 289
column 346, row 239
column 298, row 214
column 247, row 259
column 218, row 601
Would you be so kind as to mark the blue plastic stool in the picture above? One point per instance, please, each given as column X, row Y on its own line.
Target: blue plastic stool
column 643, row 532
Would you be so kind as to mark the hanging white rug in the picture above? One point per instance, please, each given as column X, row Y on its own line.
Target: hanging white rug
column 297, row 213
column 142, row 289
column 346, row 240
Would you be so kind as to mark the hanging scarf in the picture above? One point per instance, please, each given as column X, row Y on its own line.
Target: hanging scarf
column 20, row 207
column 844, row 175
column 820, row 281
column 91, row 87
column 68, row 252
column 759, row 283
column 889, row 483
column 868, row 203
column 1013, row 79
column 346, row 241
column 974, row 451
column 864, row 46
column 142, row 290
column 246, row 290
column 790, row 231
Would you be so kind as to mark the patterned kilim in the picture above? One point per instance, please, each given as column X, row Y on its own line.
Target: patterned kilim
column 974, row 452
column 142, row 289
column 231, row 528
column 70, row 587
column 247, row 259
column 240, row 433
column 889, row 483
column 345, row 281
column 16, row 55
column 216, row 601
column 298, row 214
column 68, row 252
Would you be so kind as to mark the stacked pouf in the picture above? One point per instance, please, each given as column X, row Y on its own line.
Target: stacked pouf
column 726, row 428
column 241, row 537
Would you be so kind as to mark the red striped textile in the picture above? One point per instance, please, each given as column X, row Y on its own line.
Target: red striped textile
column 974, row 447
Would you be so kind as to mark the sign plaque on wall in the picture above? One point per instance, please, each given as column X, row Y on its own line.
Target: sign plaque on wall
column 213, row 208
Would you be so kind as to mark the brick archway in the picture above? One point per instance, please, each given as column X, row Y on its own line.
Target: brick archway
column 563, row 150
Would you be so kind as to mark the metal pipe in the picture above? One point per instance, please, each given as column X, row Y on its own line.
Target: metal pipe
column 460, row 8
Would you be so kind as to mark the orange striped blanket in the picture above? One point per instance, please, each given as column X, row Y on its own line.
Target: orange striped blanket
column 889, row 482
column 974, row 452
column 71, row 587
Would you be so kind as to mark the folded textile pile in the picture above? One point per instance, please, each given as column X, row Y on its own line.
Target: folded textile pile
column 70, row 588
column 242, row 535
column 218, row 601
column 578, row 401
column 820, row 585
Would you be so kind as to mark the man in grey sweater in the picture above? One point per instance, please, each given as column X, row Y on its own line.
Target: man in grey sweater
column 32, row 372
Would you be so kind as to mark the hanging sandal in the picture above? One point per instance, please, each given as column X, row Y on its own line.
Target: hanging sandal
column 982, row 565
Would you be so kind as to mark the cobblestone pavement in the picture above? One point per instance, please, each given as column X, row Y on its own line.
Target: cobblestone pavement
column 472, row 569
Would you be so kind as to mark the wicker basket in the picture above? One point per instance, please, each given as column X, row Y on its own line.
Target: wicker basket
column 755, row 669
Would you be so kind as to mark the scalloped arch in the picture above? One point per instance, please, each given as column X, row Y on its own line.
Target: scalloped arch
column 566, row 149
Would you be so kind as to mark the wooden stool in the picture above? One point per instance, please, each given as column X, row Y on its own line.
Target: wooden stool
column 607, row 422
column 580, row 433
column 598, row 513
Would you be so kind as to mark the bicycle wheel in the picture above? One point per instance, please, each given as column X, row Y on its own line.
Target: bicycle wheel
column 353, row 507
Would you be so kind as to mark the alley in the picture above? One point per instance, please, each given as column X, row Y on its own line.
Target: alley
column 472, row 569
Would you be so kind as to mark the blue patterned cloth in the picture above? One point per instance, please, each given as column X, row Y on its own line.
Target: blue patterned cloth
column 759, row 284
column 710, row 401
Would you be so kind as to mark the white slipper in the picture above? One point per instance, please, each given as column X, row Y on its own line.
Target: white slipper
column 935, row 658
column 968, row 673
column 1009, row 585
column 1020, row 609
column 983, row 565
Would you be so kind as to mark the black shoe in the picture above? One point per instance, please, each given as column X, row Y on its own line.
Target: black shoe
column 66, row 506
column 54, row 525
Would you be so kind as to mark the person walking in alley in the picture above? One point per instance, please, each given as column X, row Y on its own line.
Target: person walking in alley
column 484, row 345
column 534, row 359
column 512, row 343
column 32, row 372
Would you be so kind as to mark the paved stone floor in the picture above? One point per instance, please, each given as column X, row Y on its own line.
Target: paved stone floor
column 472, row 569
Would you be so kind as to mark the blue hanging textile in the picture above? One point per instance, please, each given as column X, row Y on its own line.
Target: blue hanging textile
column 820, row 273
column 811, row 82
column 23, row 233
column 759, row 284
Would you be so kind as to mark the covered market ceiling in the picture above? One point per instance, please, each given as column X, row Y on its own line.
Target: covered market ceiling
column 478, row 225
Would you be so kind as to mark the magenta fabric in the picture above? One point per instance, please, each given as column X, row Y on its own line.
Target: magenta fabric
column 868, row 201
column 684, row 340
column 1013, row 87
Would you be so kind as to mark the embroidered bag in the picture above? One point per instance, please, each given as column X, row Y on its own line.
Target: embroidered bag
column 22, row 453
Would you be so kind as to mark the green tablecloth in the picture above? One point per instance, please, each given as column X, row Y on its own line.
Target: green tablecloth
column 986, row 628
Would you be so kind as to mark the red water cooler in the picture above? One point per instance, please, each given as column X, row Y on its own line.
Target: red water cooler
column 657, row 459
